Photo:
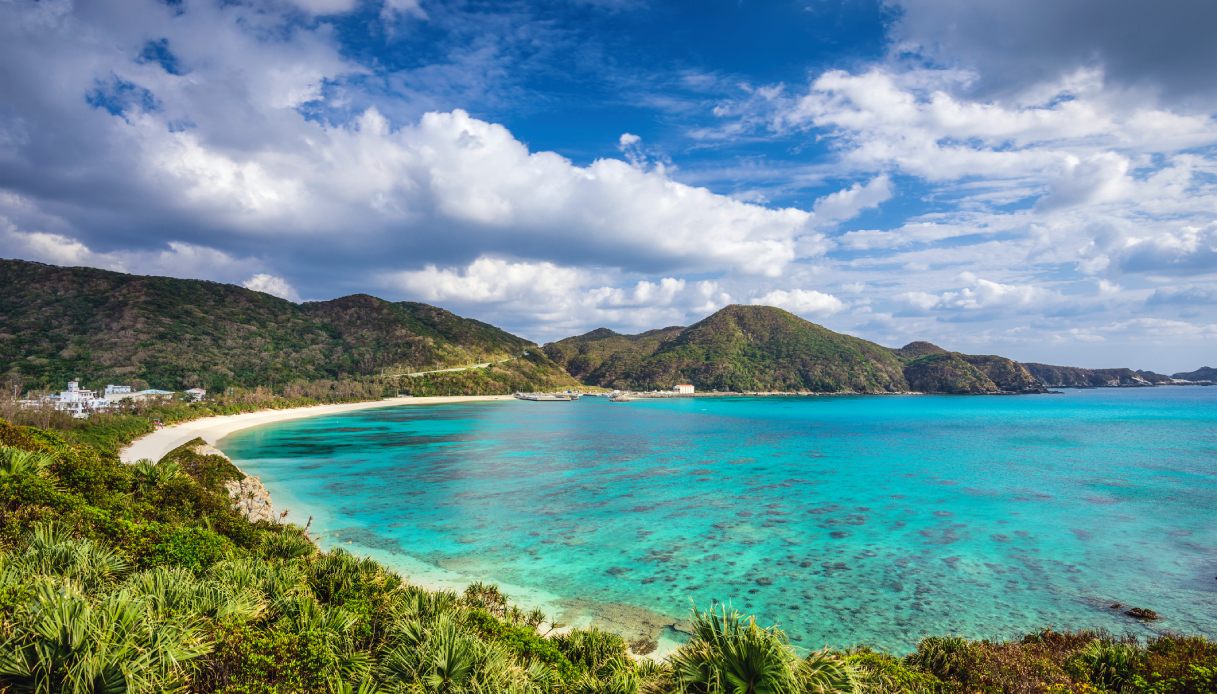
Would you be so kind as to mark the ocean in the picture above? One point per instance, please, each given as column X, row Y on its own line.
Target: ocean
column 846, row 520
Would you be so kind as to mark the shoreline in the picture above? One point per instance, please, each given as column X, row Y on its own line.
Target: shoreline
column 156, row 445
column 628, row 620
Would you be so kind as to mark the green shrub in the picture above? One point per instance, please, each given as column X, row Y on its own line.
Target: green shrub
column 193, row 548
column 946, row 657
column 880, row 673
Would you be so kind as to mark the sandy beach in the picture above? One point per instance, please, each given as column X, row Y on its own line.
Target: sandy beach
column 154, row 446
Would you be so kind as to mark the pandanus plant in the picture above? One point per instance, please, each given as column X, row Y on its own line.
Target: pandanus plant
column 51, row 551
column 729, row 654
column 82, row 630
column 67, row 643
column 16, row 462
column 149, row 475
column 440, row 655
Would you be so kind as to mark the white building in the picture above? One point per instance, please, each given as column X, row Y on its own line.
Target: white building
column 196, row 394
column 140, row 395
column 683, row 389
column 117, row 390
column 79, row 402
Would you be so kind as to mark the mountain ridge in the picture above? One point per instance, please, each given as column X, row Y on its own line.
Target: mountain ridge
column 60, row 323
column 725, row 351
column 763, row 348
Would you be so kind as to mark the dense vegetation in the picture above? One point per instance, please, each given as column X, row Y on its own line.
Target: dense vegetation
column 57, row 324
column 144, row 578
column 761, row 348
column 740, row 348
column 62, row 323
column 1075, row 377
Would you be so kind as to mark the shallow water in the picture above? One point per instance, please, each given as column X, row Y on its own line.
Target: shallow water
column 846, row 520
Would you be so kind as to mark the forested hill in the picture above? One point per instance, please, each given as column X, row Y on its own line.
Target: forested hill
column 1075, row 377
column 59, row 323
column 762, row 348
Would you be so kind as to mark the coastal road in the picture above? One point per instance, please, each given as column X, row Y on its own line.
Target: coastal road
column 483, row 365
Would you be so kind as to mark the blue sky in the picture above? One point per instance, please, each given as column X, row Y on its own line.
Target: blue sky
column 1033, row 179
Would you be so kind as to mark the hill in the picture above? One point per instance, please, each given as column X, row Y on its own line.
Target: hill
column 1204, row 373
column 60, row 323
column 762, row 348
column 605, row 357
column 1077, row 377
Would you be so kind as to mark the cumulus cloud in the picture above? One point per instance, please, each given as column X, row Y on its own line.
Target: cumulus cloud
column 805, row 302
column 269, row 284
column 978, row 295
column 489, row 280
column 175, row 259
column 230, row 155
column 567, row 298
column 1190, row 250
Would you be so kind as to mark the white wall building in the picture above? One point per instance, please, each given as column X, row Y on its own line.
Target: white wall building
column 79, row 402
column 683, row 389
column 136, row 396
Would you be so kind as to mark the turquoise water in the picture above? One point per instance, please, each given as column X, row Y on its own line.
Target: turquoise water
column 846, row 520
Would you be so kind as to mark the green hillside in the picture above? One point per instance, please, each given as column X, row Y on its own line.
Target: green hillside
column 606, row 358
column 932, row 369
column 1077, row 377
column 762, row 348
column 947, row 373
column 62, row 323
column 740, row 348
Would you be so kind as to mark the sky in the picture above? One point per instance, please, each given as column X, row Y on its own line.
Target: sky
column 1034, row 179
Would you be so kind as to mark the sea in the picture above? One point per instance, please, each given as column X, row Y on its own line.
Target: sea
column 844, row 520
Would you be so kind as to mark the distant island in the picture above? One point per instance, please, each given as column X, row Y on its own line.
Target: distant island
column 59, row 324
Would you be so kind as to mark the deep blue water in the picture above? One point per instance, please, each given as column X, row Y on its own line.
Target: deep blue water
column 863, row 519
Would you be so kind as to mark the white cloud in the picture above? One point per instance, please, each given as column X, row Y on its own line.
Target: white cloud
column 565, row 299
column 805, row 302
column 846, row 204
column 269, row 284
column 1189, row 250
column 174, row 259
column 489, row 280
column 979, row 294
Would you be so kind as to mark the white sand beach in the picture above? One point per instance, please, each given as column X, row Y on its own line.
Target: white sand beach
column 154, row 446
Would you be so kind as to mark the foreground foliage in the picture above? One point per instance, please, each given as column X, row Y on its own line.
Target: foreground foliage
column 144, row 578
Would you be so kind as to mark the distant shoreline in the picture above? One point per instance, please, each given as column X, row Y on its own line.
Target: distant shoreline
column 156, row 445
